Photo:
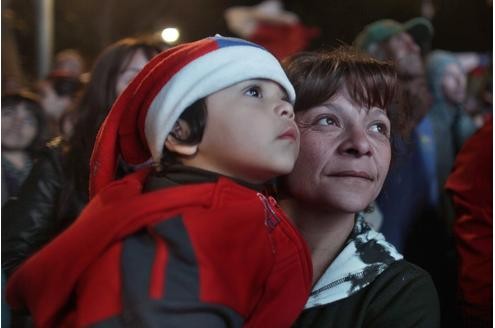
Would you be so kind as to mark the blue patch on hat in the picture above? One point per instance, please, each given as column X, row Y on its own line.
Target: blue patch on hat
column 229, row 42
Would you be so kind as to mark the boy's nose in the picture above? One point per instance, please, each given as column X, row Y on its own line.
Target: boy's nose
column 285, row 109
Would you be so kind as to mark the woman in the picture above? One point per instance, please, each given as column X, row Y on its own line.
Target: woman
column 360, row 280
column 57, row 189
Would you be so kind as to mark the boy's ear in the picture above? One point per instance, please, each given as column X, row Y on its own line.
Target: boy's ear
column 174, row 144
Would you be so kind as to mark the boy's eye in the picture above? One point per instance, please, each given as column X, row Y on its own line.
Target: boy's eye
column 253, row 91
column 381, row 128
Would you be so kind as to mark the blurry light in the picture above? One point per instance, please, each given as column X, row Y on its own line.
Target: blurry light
column 170, row 34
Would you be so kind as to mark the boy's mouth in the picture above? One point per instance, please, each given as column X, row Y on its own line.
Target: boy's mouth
column 289, row 133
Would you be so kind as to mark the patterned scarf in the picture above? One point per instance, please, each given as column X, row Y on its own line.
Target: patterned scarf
column 365, row 255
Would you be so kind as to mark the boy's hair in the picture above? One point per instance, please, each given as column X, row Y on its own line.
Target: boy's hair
column 318, row 76
column 145, row 113
column 195, row 118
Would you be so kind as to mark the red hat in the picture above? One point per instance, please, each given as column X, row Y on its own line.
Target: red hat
column 144, row 114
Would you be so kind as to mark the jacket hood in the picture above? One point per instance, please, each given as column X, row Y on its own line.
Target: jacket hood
column 436, row 64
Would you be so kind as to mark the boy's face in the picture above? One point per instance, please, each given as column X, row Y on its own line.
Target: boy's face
column 250, row 132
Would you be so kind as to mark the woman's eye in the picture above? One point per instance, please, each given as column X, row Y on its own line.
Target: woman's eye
column 326, row 121
column 381, row 128
column 254, row 92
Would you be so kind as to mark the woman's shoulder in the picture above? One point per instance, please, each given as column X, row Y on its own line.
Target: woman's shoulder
column 404, row 295
column 401, row 296
column 404, row 272
column 405, row 279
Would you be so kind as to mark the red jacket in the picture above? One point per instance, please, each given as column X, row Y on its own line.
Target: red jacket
column 470, row 185
column 211, row 255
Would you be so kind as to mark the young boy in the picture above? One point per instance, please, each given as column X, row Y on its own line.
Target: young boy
column 190, row 243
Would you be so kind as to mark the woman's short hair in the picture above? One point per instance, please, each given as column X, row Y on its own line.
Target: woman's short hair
column 317, row 76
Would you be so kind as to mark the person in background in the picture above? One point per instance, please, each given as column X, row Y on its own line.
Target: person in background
column 470, row 185
column 413, row 219
column 479, row 102
column 359, row 279
column 70, row 62
column 408, row 191
column 57, row 188
column 451, row 124
column 280, row 31
column 189, row 239
column 59, row 92
column 22, row 130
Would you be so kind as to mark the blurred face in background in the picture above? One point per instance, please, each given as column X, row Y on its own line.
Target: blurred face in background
column 404, row 51
column 53, row 104
column 19, row 127
column 454, row 84
column 130, row 70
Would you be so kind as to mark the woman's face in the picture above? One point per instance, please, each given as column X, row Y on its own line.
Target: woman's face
column 19, row 127
column 127, row 73
column 344, row 155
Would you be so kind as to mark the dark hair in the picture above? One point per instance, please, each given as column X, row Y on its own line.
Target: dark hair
column 95, row 103
column 33, row 105
column 318, row 76
column 195, row 118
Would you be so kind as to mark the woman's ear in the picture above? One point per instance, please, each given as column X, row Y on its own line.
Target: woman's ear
column 174, row 141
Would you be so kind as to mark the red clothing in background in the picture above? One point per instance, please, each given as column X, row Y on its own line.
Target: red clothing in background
column 470, row 185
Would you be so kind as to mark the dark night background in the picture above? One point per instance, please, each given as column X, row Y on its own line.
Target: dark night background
column 90, row 25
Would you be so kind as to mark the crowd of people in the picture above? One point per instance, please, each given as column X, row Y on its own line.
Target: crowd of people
column 252, row 182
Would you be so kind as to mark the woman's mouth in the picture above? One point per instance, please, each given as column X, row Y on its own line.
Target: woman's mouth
column 353, row 174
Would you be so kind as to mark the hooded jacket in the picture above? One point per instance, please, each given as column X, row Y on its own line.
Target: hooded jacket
column 369, row 284
column 213, row 254
column 451, row 124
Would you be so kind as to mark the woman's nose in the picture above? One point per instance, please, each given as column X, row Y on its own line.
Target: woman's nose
column 355, row 143
column 285, row 109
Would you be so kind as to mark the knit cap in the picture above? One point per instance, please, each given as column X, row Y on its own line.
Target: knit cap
column 144, row 114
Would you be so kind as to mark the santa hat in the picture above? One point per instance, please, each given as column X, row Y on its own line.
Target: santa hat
column 144, row 114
